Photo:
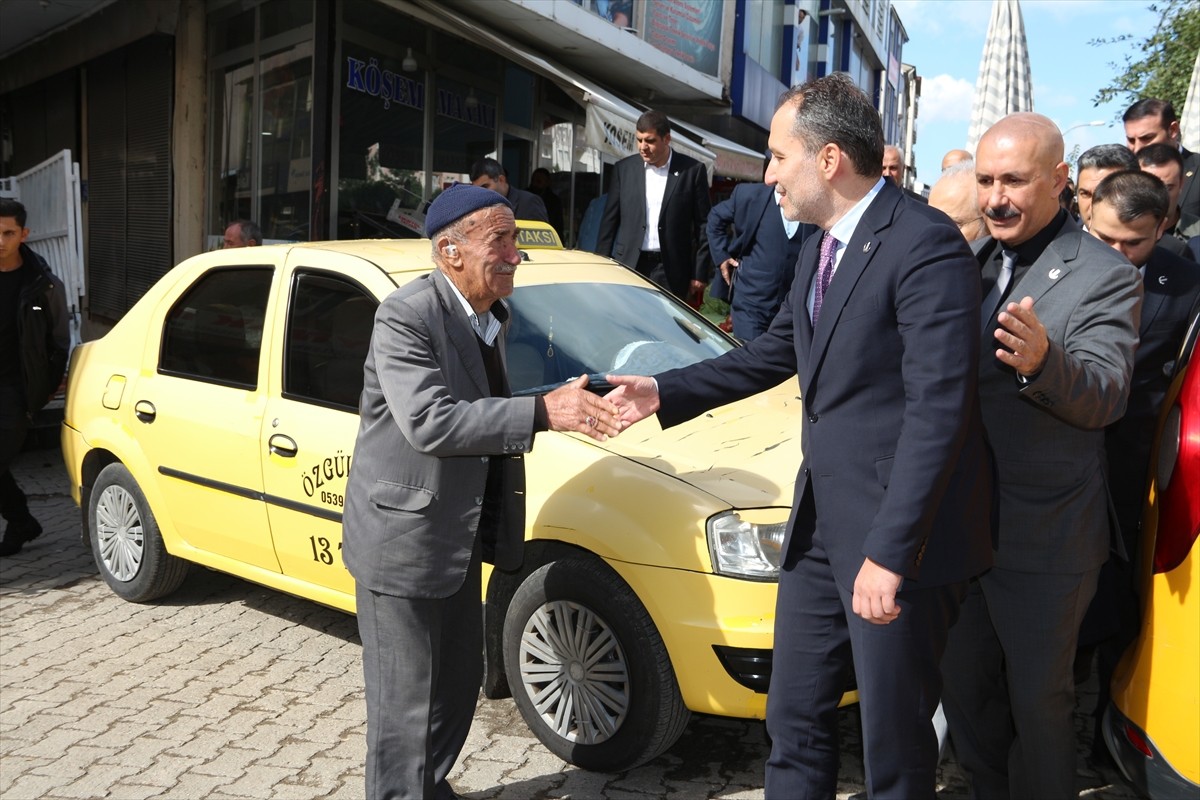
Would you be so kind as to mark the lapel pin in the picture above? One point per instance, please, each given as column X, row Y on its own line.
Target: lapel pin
column 1162, row 280
column 867, row 247
column 1055, row 274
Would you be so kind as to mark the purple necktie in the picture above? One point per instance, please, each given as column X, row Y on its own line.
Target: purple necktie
column 829, row 246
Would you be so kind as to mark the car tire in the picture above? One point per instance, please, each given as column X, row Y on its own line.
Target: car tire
column 126, row 543
column 572, row 609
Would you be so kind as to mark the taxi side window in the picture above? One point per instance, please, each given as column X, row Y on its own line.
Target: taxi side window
column 213, row 332
column 328, row 333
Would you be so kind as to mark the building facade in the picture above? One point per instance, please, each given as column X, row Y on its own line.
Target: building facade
column 333, row 119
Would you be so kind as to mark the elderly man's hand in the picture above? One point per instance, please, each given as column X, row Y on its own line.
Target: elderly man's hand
column 727, row 267
column 1024, row 334
column 574, row 408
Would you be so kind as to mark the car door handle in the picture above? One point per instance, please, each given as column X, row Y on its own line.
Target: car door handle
column 284, row 446
column 144, row 410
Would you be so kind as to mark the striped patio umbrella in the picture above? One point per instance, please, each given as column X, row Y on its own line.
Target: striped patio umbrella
column 1189, row 126
column 1004, row 85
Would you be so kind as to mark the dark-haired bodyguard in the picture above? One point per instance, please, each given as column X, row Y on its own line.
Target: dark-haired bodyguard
column 656, row 211
column 1165, row 162
column 1059, row 329
column 437, row 486
column 892, row 502
column 1129, row 214
column 1152, row 121
column 1094, row 165
column 34, row 342
column 491, row 174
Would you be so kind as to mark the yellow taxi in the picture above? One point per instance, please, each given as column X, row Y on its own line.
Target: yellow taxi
column 1152, row 725
column 215, row 425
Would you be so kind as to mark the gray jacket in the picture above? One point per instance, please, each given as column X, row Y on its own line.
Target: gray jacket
column 427, row 433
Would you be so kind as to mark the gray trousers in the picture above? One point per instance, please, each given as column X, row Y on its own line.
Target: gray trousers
column 423, row 668
column 1009, row 691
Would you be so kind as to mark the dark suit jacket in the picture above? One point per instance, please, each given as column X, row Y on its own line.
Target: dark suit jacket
column 1189, row 196
column 427, row 432
column 1048, row 434
column 527, row 205
column 748, row 227
column 681, row 221
column 895, row 466
column 1172, row 289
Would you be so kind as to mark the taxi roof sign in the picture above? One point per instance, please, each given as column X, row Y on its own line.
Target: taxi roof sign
column 536, row 235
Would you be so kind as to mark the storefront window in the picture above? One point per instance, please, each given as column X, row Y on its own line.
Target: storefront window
column 261, row 118
column 464, row 127
column 286, row 179
column 381, row 146
column 232, row 114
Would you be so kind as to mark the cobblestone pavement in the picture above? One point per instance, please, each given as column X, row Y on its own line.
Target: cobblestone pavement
column 228, row 690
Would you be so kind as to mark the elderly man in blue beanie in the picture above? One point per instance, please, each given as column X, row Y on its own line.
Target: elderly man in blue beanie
column 437, row 487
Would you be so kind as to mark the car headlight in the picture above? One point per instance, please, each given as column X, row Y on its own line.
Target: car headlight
column 747, row 543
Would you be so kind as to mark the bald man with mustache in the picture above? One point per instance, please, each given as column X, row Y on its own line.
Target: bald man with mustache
column 1061, row 315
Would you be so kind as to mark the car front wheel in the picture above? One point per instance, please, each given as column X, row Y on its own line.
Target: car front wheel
column 129, row 551
column 590, row 673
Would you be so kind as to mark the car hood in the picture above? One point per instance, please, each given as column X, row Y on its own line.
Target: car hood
column 745, row 454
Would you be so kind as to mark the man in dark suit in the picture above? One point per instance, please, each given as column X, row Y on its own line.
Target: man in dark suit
column 755, row 246
column 1060, row 326
column 1164, row 161
column 894, row 168
column 893, row 498
column 656, row 211
column 1150, row 121
column 490, row 174
column 1130, row 212
column 437, row 486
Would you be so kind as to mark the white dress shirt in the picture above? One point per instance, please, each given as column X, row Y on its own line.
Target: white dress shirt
column 843, row 231
column 656, row 187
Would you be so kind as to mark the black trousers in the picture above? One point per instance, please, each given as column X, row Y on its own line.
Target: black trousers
column 818, row 638
column 14, row 426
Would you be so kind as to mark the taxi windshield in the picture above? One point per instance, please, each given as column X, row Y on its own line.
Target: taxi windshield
column 561, row 331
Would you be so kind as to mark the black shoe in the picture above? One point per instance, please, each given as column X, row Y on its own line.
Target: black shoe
column 17, row 534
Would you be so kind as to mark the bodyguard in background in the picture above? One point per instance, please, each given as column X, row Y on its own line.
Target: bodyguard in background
column 1130, row 211
column 656, row 211
column 437, row 487
column 755, row 246
column 34, row 341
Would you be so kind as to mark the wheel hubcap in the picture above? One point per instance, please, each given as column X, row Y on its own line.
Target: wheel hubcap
column 575, row 672
column 119, row 533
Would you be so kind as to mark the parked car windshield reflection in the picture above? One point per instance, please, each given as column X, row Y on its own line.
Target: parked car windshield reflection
column 561, row 331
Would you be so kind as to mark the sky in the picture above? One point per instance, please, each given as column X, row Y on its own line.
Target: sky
column 946, row 42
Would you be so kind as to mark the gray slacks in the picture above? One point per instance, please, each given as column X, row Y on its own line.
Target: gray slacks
column 423, row 667
column 1009, row 676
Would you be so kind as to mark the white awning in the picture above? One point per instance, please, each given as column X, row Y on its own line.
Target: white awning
column 611, row 123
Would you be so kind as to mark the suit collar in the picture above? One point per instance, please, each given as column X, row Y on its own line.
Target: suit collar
column 1051, row 266
column 462, row 335
column 858, row 253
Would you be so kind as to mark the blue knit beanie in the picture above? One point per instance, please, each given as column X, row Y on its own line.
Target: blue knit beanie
column 456, row 202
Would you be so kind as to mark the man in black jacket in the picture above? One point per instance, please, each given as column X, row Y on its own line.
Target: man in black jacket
column 657, row 210
column 34, row 340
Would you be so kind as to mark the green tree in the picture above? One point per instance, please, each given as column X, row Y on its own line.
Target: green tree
column 1160, row 65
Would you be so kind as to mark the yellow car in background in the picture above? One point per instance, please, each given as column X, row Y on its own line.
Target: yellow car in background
column 1152, row 725
column 215, row 425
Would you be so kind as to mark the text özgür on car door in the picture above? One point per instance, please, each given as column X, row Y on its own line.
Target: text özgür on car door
column 312, row 414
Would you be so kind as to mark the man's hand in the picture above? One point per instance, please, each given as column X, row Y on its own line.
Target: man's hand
column 636, row 397
column 727, row 267
column 875, row 593
column 1024, row 334
column 574, row 408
